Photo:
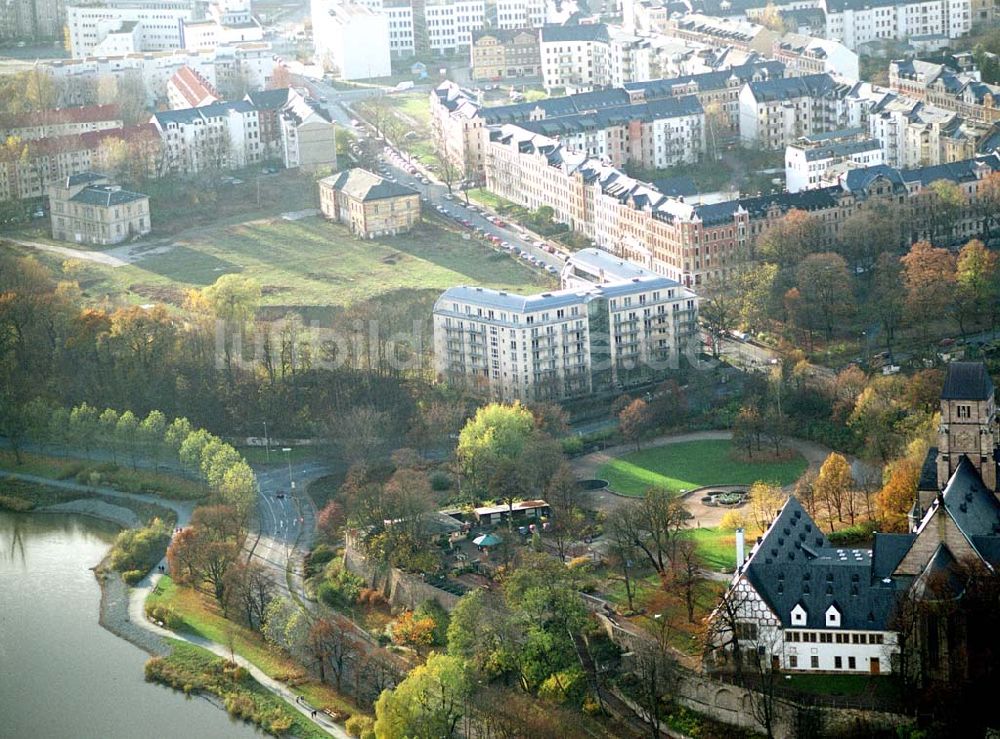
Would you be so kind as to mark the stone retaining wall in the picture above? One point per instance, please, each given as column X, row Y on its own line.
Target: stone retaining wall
column 401, row 589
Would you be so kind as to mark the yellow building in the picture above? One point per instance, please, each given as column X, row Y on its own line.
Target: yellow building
column 370, row 205
column 87, row 209
column 498, row 54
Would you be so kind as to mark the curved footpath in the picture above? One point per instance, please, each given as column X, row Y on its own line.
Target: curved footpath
column 123, row 610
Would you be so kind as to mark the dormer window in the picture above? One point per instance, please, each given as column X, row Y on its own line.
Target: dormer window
column 798, row 615
column 832, row 616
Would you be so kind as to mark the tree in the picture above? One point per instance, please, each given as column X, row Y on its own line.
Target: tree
column 685, row 572
column 833, row 486
column 568, row 520
column 788, row 240
column 127, row 432
column 234, row 300
column 429, row 702
column 747, row 428
column 976, row 276
column 897, row 495
column 763, row 501
column 825, row 286
column 84, row 425
column 622, row 550
column 360, row 433
column 248, row 590
column 198, row 555
column 331, row 520
column 886, row 300
column 151, row 432
column 331, row 643
column 493, row 440
column 653, row 525
column 941, row 206
column 633, row 421
column 872, row 230
column 929, row 279
column 719, row 310
column 413, row 631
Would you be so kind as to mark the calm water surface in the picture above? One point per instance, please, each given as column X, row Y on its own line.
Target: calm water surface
column 61, row 674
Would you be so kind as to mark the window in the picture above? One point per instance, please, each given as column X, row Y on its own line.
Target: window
column 814, row 661
column 838, row 663
column 793, row 661
column 963, row 411
column 851, row 663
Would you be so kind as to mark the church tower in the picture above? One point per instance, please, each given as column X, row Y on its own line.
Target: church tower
column 968, row 423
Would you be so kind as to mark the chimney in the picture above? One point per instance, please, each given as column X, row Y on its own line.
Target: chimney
column 739, row 548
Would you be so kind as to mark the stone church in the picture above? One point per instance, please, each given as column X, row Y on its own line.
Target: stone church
column 907, row 604
column 968, row 429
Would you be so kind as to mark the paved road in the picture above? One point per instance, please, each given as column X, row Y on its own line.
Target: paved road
column 286, row 526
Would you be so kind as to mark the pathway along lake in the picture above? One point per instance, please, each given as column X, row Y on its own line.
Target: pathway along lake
column 62, row 674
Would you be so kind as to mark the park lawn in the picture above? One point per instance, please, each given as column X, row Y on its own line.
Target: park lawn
column 715, row 547
column 202, row 617
column 311, row 265
column 124, row 478
column 490, row 200
column 883, row 686
column 693, row 464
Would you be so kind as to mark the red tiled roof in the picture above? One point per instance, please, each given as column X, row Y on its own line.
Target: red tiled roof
column 85, row 114
column 194, row 88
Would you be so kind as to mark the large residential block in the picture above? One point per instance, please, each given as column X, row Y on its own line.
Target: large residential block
column 818, row 161
column 351, row 39
column 87, row 209
column 370, row 205
column 946, row 87
column 60, row 122
column 27, row 170
column 188, row 89
column 156, row 24
column 696, row 243
column 295, row 128
column 498, row 54
column 214, row 137
column 581, row 57
column 774, row 113
column 617, row 325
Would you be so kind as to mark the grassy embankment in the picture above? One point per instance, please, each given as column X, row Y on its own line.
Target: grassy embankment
column 195, row 613
column 310, row 267
column 194, row 670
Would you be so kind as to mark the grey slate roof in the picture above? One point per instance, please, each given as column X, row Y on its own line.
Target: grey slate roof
column 676, row 187
column 973, row 506
column 364, row 185
column 811, row 85
column 967, row 381
column 620, row 115
column 269, row 99
column 105, row 196
column 575, row 32
column 796, row 564
column 83, row 177
column 710, row 80
column 215, row 110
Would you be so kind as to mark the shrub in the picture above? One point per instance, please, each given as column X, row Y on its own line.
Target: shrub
column 371, row 597
column 580, row 563
column 591, row 706
column 357, row 725
column 105, row 467
column 140, row 549
column 164, row 615
column 13, row 503
column 70, row 471
column 340, row 588
column 412, row 631
column 566, row 686
column 318, row 559
column 733, row 520
column 433, row 610
column 859, row 533
column 440, row 481
column 572, row 445
column 131, row 577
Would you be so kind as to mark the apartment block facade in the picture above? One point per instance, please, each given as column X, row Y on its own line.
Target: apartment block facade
column 563, row 343
column 158, row 23
column 214, row 137
column 579, row 58
column 696, row 244
column 61, row 122
column 500, row 54
column 773, row 113
column 368, row 204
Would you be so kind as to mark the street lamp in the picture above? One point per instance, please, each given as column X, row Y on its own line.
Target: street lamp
column 267, row 445
column 288, row 457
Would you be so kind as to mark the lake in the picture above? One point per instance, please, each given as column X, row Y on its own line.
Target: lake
column 62, row 674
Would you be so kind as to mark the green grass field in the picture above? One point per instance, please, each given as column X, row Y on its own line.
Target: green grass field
column 716, row 548
column 693, row 464
column 309, row 266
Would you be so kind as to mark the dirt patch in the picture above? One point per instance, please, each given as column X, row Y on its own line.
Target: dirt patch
column 274, row 289
column 159, row 293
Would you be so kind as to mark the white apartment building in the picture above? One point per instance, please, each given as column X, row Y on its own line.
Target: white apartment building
column 213, row 137
column 803, row 55
column 584, row 57
column 159, row 23
column 351, row 39
column 564, row 343
column 775, row 112
column 223, row 66
column 856, row 22
column 818, row 161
